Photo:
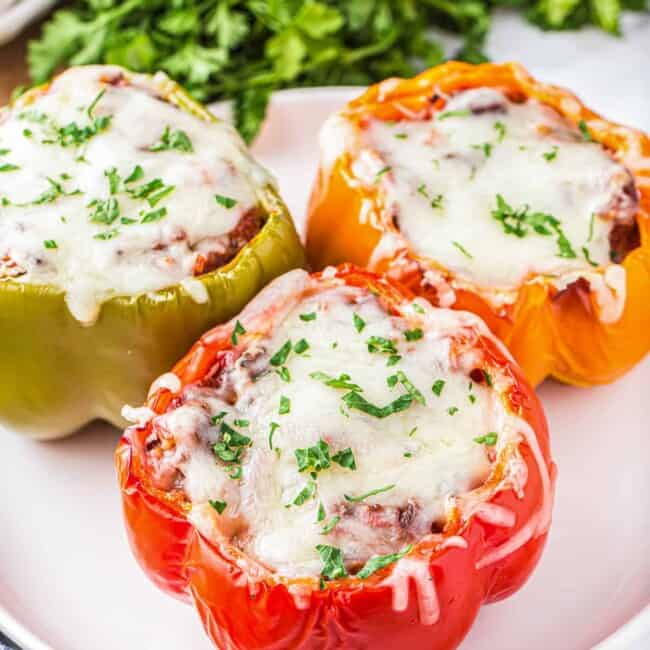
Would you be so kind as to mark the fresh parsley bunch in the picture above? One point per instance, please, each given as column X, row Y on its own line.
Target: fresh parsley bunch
column 245, row 49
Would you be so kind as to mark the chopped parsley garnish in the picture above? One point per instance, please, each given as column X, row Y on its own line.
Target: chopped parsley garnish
column 345, row 458
column 4, row 152
column 380, row 344
column 107, row 234
column 50, row 243
column 363, row 497
column 463, row 250
column 279, row 358
column 436, row 201
column 342, row 381
column 219, row 506
column 393, row 359
column 314, row 459
column 378, row 562
column 488, row 378
column 154, row 215
column 241, row 423
column 392, row 381
column 28, row 133
column 437, row 387
column 8, row 167
column 407, row 454
column 225, row 201
column 301, row 346
column 236, row 473
column 113, row 179
column 329, row 526
column 472, row 398
column 218, row 417
column 284, row 374
column 489, row 439
column 93, row 104
column 238, row 330
column 584, row 130
column 156, row 198
column 381, row 172
column 519, row 222
column 412, row 432
column 410, row 388
column 585, row 252
column 591, row 228
column 308, row 317
column 145, row 190
column 418, row 308
column 274, row 427
column 321, row 512
column 332, row 559
column 414, row 334
column 401, row 136
column 175, row 139
column 452, row 410
column 104, row 210
column 486, row 148
column 464, row 112
column 355, row 401
column 305, row 494
column 500, row 128
column 135, row 175
column 549, row 156
column 285, row 405
column 230, row 447
column 359, row 323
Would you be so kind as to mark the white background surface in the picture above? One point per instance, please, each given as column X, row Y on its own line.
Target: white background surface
column 67, row 575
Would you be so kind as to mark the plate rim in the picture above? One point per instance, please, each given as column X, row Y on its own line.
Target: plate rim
column 634, row 630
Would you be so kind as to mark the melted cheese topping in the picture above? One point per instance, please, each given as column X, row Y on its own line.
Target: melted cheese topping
column 76, row 213
column 441, row 177
column 426, row 455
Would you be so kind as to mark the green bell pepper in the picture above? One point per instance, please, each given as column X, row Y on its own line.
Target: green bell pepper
column 57, row 374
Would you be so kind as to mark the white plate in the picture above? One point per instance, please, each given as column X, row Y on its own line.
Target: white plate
column 68, row 581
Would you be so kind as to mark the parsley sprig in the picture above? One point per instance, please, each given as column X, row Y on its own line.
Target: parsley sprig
column 245, row 50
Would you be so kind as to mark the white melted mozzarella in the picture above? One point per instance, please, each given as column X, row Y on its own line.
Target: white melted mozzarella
column 50, row 236
column 427, row 452
column 441, row 178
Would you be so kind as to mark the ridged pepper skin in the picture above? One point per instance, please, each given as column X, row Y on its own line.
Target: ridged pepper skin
column 57, row 374
column 245, row 611
column 549, row 332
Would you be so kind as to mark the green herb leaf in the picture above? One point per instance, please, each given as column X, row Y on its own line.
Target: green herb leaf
column 332, row 559
column 463, row 250
column 285, row 405
column 308, row 317
column 284, row 374
column 342, row 381
column 584, row 130
column 378, row 562
column 363, row 497
column 219, row 506
column 489, row 439
column 465, row 112
column 50, row 243
column 359, row 323
column 414, row 334
column 173, row 139
column 274, row 427
column 345, row 458
column 313, row 459
column 237, row 332
column 437, row 387
column 225, row 201
column 154, row 215
column 280, row 357
column 329, row 526
column 305, row 494
column 301, row 347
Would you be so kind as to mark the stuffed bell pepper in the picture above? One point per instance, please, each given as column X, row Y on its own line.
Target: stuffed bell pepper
column 483, row 189
column 131, row 220
column 342, row 465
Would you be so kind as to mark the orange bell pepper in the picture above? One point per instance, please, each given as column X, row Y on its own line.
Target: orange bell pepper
column 551, row 332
